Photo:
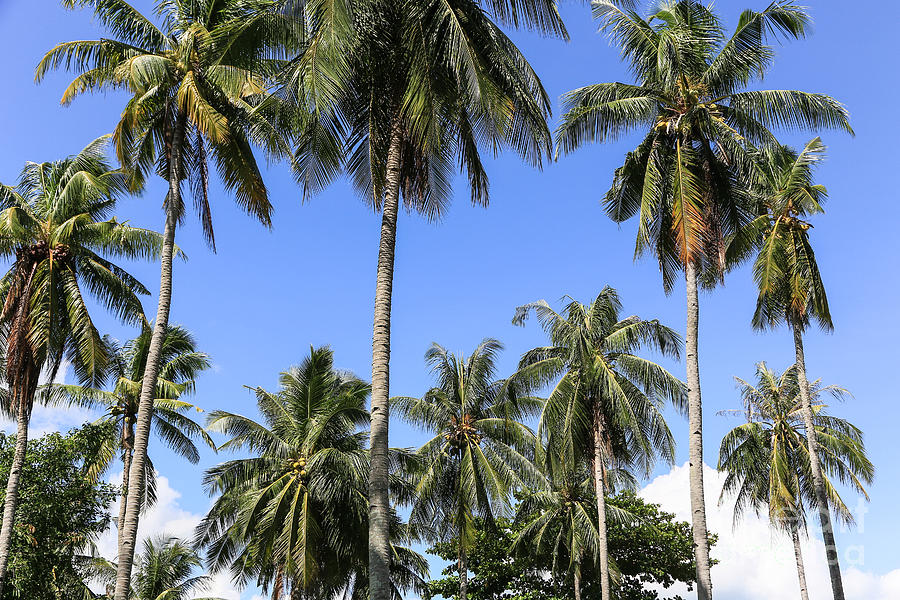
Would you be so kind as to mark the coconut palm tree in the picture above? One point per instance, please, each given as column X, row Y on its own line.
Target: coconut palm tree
column 398, row 95
column 479, row 452
column 293, row 515
column 605, row 408
column 181, row 363
column 687, row 178
column 164, row 570
column 767, row 461
column 193, row 82
column 560, row 519
column 55, row 227
column 790, row 284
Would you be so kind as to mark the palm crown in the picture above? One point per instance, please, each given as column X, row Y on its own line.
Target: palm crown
column 192, row 82
column 181, row 363
column 300, row 500
column 433, row 79
column 55, row 226
column 593, row 353
column 787, row 274
column 683, row 178
column 766, row 460
column 480, row 450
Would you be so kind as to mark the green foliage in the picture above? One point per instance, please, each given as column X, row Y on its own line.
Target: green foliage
column 56, row 226
column 658, row 550
column 687, row 180
column 180, row 364
column 61, row 511
column 766, row 460
column 652, row 549
column 165, row 570
column 479, row 450
column 293, row 515
column 436, row 79
column 193, row 83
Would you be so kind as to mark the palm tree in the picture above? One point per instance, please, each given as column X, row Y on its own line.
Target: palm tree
column 767, row 460
column 475, row 458
column 292, row 515
column 605, row 408
column 180, row 364
column 790, row 284
column 686, row 179
column 56, row 228
column 193, row 83
column 163, row 571
column 398, row 94
column 560, row 520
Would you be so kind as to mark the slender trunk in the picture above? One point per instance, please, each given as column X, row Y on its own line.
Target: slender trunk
column 600, row 491
column 577, row 582
column 12, row 486
column 695, row 439
column 798, row 556
column 831, row 554
column 379, row 502
column 463, row 572
column 127, row 453
column 151, row 370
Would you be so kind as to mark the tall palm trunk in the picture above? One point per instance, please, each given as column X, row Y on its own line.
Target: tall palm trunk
column 834, row 567
column 151, row 370
column 600, row 491
column 463, row 572
column 379, row 502
column 798, row 556
column 10, row 501
column 577, row 581
column 22, row 373
column 695, row 437
column 127, row 454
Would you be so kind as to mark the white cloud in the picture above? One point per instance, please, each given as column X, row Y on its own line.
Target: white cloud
column 755, row 562
column 168, row 517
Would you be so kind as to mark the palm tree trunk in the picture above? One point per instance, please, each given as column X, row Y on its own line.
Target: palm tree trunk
column 463, row 572
column 127, row 454
column 695, row 437
column 834, row 567
column 379, row 502
column 577, row 582
column 798, row 556
column 12, row 486
column 600, row 492
column 151, row 370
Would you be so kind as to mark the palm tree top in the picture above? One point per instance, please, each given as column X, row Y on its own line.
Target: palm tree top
column 198, row 74
column 55, row 225
column 766, row 460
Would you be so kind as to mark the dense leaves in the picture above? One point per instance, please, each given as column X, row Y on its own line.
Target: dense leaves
column 657, row 549
column 62, row 510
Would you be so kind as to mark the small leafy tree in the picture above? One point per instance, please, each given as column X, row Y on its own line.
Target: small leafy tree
column 62, row 510
column 655, row 550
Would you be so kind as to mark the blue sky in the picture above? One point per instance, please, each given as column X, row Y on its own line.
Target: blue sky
column 258, row 304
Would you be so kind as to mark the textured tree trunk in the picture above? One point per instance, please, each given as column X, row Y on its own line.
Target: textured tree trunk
column 463, row 573
column 151, row 370
column 577, row 582
column 127, row 453
column 695, row 439
column 12, row 485
column 831, row 554
column 798, row 556
column 600, row 491
column 379, row 502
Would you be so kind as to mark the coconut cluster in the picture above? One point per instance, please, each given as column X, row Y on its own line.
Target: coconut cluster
column 298, row 466
column 40, row 251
